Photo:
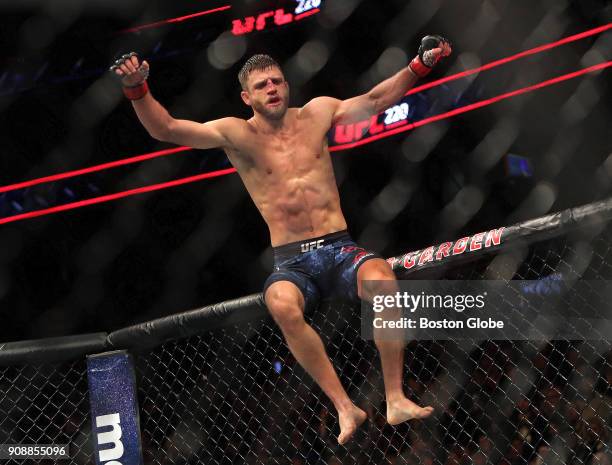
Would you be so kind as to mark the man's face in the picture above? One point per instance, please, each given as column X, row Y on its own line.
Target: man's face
column 267, row 93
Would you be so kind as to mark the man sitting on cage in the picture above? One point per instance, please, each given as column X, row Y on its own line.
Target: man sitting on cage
column 282, row 157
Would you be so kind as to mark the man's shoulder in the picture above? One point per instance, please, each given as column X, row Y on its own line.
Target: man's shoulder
column 320, row 105
column 230, row 121
column 230, row 124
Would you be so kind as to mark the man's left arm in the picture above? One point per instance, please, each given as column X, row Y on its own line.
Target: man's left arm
column 389, row 91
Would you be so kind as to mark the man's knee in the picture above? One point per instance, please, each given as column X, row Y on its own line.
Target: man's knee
column 285, row 310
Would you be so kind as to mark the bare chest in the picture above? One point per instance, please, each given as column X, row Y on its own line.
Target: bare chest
column 292, row 154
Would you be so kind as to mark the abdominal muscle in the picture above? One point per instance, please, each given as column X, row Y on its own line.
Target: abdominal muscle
column 298, row 207
column 300, row 215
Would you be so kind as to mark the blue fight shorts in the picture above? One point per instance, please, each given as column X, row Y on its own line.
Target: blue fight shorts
column 322, row 267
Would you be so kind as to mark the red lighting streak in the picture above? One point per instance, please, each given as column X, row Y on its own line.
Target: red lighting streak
column 493, row 64
column 473, row 106
column 213, row 174
column 403, row 128
column 305, row 15
column 93, row 169
column 414, row 90
column 176, row 20
column 118, row 195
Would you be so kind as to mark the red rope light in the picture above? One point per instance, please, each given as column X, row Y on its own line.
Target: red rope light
column 406, row 127
column 414, row 90
column 176, row 20
column 93, row 169
column 118, row 195
column 502, row 61
column 213, row 174
column 474, row 106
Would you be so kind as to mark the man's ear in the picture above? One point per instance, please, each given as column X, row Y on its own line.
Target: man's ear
column 245, row 97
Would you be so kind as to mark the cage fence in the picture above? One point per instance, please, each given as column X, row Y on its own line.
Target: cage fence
column 235, row 394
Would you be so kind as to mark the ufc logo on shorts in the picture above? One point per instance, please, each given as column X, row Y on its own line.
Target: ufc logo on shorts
column 308, row 246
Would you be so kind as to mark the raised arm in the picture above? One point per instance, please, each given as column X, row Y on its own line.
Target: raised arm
column 389, row 91
column 156, row 119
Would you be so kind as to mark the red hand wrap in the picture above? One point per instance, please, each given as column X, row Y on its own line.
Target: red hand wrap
column 418, row 68
column 136, row 92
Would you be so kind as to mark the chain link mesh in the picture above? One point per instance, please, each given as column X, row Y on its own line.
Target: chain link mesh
column 237, row 395
column 46, row 404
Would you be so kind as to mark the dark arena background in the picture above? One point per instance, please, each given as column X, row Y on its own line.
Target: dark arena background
column 110, row 240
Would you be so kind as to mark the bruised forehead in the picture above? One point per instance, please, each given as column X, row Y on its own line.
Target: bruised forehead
column 262, row 75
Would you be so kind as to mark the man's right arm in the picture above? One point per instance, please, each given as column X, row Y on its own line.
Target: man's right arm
column 162, row 126
column 156, row 119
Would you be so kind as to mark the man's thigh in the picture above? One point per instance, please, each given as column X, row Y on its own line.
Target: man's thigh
column 350, row 260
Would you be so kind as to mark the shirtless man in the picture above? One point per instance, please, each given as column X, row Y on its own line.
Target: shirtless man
column 282, row 157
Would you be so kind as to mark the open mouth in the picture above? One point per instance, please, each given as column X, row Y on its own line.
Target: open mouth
column 274, row 101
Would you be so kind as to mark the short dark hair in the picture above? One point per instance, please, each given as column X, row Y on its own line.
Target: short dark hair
column 256, row 62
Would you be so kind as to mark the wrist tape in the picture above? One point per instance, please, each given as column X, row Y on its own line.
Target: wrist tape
column 136, row 92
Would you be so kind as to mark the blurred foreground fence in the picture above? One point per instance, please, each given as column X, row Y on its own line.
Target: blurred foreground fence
column 218, row 385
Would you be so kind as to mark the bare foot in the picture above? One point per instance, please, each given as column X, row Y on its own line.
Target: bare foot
column 349, row 421
column 404, row 409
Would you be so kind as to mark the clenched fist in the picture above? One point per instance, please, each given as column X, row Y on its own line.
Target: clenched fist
column 133, row 75
column 433, row 48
